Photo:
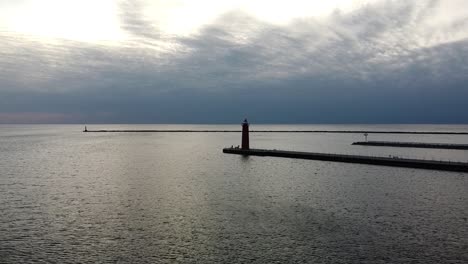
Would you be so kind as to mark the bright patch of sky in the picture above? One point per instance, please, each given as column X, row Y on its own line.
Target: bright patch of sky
column 84, row 20
column 90, row 20
column 184, row 17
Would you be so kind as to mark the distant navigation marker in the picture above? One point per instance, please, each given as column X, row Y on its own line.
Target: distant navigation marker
column 245, row 135
column 85, row 129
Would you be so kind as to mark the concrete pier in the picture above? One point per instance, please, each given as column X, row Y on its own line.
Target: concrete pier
column 394, row 162
column 412, row 145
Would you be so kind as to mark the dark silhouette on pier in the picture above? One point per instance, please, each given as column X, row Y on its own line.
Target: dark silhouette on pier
column 245, row 135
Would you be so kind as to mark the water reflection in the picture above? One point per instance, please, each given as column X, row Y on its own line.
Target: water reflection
column 70, row 196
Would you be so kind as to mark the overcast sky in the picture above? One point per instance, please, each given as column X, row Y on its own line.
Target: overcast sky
column 212, row 61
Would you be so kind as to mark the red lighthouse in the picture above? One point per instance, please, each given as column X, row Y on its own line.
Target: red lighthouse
column 245, row 134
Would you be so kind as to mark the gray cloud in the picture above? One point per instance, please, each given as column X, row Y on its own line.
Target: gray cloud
column 134, row 22
column 378, row 64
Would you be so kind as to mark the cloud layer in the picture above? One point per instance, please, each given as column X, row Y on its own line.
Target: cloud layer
column 386, row 62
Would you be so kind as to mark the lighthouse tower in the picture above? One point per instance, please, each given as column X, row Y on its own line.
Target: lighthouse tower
column 245, row 134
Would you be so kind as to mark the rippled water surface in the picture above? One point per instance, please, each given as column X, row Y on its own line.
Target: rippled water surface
column 73, row 197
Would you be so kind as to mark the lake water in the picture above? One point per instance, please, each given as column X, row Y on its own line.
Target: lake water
column 73, row 197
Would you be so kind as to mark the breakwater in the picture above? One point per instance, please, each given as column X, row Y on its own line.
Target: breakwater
column 412, row 145
column 384, row 161
column 280, row 131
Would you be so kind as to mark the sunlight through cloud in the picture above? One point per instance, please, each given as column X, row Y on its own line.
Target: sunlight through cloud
column 85, row 20
column 184, row 17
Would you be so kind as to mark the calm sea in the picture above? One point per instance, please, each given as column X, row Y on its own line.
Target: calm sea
column 73, row 197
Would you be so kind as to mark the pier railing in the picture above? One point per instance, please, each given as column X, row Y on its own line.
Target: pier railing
column 390, row 161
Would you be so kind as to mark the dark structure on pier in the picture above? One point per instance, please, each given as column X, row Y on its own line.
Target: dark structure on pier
column 245, row 135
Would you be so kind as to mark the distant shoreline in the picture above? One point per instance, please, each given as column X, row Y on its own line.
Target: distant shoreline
column 282, row 131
